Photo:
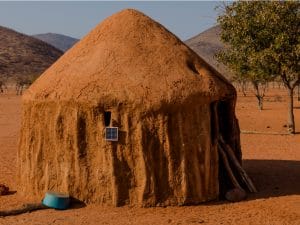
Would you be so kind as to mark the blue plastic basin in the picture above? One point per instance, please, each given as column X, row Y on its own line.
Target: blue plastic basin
column 56, row 200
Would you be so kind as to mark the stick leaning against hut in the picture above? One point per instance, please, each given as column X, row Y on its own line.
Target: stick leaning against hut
column 227, row 152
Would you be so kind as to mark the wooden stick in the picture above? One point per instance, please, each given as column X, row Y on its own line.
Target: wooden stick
column 24, row 209
column 228, row 169
column 238, row 166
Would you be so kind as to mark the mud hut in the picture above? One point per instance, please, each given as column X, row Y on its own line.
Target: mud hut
column 129, row 115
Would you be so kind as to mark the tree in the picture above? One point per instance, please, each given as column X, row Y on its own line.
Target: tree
column 3, row 81
column 24, row 81
column 241, row 83
column 263, row 43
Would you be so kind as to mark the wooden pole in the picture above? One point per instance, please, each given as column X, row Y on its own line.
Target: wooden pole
column 228, row 169
column 238, row 166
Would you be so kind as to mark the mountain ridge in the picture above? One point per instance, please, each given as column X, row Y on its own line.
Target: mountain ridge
column 23, row 55
column 207, row 44
column 60, row 41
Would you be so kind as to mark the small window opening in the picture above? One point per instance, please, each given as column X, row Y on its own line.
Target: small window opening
column 107, row 118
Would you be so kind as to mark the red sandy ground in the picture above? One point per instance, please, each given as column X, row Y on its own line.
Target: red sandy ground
column 273, row 161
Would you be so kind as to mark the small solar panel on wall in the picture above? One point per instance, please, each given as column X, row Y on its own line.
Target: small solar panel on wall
column 111, row 133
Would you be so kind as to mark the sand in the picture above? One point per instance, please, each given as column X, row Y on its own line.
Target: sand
column 273, row 161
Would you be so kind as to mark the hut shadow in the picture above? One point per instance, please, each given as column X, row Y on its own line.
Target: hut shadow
column 274, row 178
column 122, row 137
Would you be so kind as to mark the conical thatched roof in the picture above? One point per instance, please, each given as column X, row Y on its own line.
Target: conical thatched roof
column 132, row 59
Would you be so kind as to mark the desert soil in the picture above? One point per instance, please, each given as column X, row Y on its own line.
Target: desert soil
column 273, row 161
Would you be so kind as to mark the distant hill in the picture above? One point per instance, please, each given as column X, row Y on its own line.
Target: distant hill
column 59, row 41
column 24, row 55
column 207, row 44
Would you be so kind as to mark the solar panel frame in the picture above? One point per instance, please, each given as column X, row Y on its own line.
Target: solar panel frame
column 111, row 133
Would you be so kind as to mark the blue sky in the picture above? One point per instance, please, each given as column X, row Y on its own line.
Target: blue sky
column 185, row 19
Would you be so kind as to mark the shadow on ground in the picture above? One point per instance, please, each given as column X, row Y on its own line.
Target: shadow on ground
column 76, row 203
column 274, row 178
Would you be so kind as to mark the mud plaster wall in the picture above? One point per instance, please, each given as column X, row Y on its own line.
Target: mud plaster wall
column 162, row 158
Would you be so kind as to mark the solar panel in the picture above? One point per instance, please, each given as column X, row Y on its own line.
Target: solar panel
column 111, row 133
